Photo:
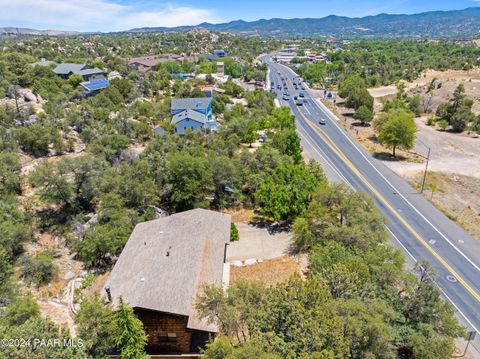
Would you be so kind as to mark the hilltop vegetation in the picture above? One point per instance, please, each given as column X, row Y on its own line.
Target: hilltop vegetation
column 430, row 25
column 384, row 62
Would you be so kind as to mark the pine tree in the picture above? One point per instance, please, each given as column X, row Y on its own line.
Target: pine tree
column 130, row 338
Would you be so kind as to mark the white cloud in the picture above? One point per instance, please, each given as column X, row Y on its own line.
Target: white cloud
column 98, row 15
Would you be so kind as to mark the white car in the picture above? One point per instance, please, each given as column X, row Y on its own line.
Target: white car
column 322, row 121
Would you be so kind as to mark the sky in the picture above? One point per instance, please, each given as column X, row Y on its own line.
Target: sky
column 116, row 15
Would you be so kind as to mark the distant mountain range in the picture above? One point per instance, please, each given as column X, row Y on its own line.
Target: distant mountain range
column 26, row 31
column 454, row 24
column 436, row 24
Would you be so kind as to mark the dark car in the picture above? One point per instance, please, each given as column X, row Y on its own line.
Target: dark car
column 301, row 94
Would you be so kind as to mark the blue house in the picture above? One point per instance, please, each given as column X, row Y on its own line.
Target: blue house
column 192, row 113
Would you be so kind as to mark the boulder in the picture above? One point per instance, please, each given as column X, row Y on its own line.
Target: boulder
column 27, row 95
column 69, row 275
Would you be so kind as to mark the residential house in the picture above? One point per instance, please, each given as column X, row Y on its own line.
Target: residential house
column 162, row 270
column 220, row 69
column 192, row 113
column 217, row 54
column 148, row 63
column 143, row 64
column 65, row 70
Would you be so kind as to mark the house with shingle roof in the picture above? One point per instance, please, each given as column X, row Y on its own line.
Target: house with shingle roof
column 161, row 271
column 88, row 73
column 192, row 114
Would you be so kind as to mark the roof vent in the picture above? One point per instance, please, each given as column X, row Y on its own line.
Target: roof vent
column 168, row 251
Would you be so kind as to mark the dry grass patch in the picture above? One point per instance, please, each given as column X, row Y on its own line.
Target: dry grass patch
column 269, row 272
column 455, row 195
column 241, row 215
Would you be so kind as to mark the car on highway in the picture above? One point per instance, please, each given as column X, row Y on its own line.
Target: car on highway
column 279, row 86
column 299, row 102
column 301, row 94
column 286, row 97
column 322, row 121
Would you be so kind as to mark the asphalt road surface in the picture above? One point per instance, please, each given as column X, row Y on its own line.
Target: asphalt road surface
column 416, row 226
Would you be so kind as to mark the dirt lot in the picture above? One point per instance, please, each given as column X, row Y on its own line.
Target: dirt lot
column 456, row 195
column 445, row 83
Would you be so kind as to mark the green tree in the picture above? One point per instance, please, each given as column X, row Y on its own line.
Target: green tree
column 397, row 130
column 286, row 192
column 109, row 146
column 351, row 82
column 133, row 182
column 96, row 326
column 71, row 182
column 75, row 79
column 39, row 269
column 6, row 271
column 415, row 105
column 338, row 213
column 288, row 143
column 130, row 337
column 364, row 114
column 359, row 97
column 189, row 180
column 22, row 309
column 109, row 235
column 10, row 176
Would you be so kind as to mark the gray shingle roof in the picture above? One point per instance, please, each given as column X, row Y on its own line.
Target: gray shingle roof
column 198, row 103
column 191, row 114
column 65, row 68
column 80, row 69
column 93, row 71
column 146, row 277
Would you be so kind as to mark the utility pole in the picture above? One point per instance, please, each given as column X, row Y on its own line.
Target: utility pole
column 425, row 173
column 471, row 336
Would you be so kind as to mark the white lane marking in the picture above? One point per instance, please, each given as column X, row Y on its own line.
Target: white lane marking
column 327, row 111
column 441, row 290
column 405, row 199
column 325, row 158
column 331, row 114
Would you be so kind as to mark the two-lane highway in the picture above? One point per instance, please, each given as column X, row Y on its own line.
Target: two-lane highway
column 421, row 230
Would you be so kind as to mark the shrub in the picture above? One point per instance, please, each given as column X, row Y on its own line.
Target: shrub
column 39, row 269
column 234, row 235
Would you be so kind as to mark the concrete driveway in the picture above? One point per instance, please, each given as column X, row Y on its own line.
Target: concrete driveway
column 259, row 241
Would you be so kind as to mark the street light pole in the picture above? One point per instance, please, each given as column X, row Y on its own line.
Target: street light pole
column 425, row 173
